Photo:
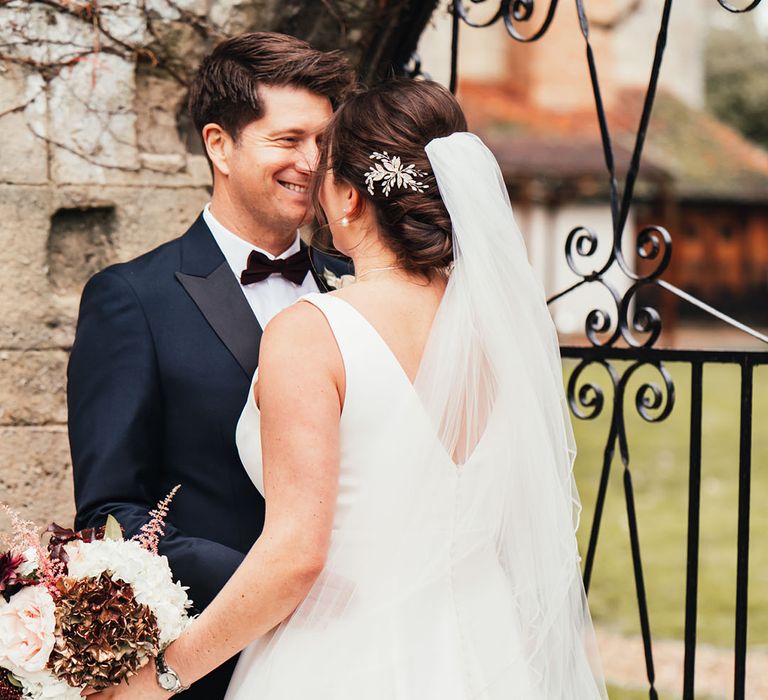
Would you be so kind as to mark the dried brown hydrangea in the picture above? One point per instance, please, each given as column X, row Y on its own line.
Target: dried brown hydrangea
column 102, row 633
column 8, row 691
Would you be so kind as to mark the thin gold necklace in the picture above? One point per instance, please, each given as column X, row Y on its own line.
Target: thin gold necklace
column 378, row 269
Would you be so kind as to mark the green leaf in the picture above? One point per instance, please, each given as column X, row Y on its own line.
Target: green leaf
column 112, row 529
column 14, row 681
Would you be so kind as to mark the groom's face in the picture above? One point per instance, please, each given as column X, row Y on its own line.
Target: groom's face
column 274, row 157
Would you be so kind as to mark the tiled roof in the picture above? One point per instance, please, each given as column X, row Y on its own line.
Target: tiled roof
column 704, row 158
column 707, row 159
column 558, row 155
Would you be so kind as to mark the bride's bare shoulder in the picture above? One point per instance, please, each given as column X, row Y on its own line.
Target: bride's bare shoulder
column 297, row 336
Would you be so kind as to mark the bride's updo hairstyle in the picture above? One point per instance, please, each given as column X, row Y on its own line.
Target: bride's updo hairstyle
column 400, row 117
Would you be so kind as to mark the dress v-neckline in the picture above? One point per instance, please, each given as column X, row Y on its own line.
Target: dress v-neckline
column 412, row 384
column 388, row 350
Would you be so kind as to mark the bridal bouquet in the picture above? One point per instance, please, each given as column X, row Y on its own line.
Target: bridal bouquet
column 85, row 611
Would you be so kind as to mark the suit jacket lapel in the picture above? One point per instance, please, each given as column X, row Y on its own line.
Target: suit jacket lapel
column 320, row 262
column 208, row 279
column 317, row 272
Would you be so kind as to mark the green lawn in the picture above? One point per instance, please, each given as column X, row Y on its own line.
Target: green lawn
column 616, row 693
column 659, row 465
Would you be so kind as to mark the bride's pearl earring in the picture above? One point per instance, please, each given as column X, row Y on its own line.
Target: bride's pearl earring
column 344, row 219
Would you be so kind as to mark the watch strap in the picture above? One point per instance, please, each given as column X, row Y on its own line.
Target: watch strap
column 162, row 668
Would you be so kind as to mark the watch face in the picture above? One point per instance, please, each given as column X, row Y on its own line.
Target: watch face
column 167, row 681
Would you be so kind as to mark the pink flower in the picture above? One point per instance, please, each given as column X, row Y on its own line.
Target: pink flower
column 27, row 626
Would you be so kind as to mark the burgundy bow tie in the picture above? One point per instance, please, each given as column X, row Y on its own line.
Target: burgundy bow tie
column 293, row 268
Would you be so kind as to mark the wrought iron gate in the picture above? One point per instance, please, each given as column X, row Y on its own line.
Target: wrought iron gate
column 639, row 328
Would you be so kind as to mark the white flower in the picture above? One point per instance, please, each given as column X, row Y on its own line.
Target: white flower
column 335, row 282
column 27, row 625
column 45, row 686
column 30, row 564
column 149, row 575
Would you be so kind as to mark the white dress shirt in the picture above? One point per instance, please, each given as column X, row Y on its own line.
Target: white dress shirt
column 270, row 296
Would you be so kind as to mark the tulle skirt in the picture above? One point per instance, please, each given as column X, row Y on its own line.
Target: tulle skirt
column 453, row 633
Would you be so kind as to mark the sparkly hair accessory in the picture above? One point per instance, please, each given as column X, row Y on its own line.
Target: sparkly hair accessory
column 392, row 173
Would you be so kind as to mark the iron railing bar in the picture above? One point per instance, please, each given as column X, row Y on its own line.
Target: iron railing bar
column 454, row 47
column 634, row 534
column 742, row 547
column 578, row 400
column 650, row 96
column 642, row 604
column 692, row 563
column 605, row 137
column 712, row 310
column 589, row 352
column 576, row 285
column 602, row 120
column 599, row 503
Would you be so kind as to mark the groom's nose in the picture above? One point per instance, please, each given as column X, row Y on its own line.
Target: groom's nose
column 309, row 154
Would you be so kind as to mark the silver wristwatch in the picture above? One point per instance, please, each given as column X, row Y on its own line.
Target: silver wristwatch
column 167, row 678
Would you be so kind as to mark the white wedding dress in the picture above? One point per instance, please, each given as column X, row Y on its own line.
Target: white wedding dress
column 444, row 580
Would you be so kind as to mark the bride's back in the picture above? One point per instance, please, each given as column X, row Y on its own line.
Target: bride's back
column 401, row 309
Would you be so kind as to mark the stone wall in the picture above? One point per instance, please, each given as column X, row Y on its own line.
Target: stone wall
column 94, row 169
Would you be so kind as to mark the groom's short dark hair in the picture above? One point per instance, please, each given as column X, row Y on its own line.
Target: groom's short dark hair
column 225, row 90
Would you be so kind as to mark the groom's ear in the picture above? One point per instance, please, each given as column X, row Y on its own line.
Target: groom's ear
column 218, row 144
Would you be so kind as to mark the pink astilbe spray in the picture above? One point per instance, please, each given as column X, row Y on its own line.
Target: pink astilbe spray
column 151, row 532
column 25, row 536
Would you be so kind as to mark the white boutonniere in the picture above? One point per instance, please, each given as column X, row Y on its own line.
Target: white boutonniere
column 336, row 282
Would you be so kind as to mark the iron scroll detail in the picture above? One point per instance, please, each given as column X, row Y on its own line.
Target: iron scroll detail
column 732, row 8
column 653, row 244
column 512, row 13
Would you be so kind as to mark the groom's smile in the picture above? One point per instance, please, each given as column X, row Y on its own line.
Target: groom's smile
column 293, row 187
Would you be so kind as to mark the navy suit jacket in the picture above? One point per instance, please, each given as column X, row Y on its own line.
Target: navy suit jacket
column 164, row 352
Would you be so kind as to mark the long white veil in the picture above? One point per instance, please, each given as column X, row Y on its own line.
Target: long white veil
column 491, row 381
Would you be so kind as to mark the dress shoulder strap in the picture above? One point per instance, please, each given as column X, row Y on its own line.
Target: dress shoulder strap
column 375, row 384
column 343, row 321
column 368, row 363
